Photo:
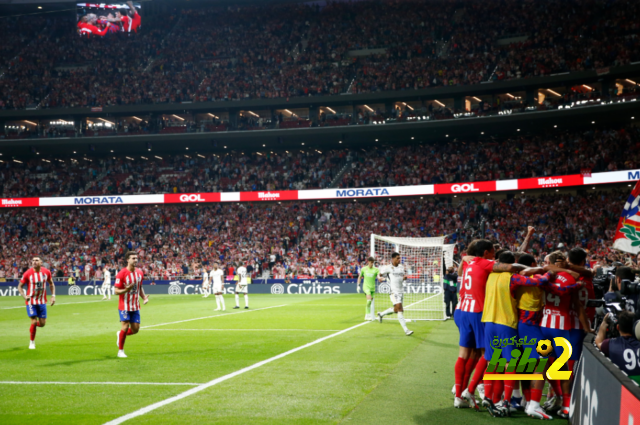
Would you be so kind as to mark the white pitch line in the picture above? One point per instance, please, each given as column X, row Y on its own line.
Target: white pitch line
column 82, row 302
column 252, row 330
column 216, row 381
column 94, row 383
column 209, row 317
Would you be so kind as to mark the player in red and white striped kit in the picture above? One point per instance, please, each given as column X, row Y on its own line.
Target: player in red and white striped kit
column 128, row 286
column 557, row 321
column 36, row 296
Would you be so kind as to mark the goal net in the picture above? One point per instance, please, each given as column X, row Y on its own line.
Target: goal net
column 423, row 259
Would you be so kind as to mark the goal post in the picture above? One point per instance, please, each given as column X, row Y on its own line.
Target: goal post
column 423, row 290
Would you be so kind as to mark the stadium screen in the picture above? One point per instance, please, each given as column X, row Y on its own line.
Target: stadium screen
column 105, row 19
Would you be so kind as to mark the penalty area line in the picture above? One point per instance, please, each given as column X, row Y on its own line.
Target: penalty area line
column 216, row 381
column 209, row 317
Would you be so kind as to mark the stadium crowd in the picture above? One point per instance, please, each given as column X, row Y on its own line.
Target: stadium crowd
column 216, row 54
column 295, row 238
column 555, row 153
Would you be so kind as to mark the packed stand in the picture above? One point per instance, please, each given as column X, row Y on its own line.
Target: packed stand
column 294, row 238
column 82, row 176
column 217, row 54
column 519, row 157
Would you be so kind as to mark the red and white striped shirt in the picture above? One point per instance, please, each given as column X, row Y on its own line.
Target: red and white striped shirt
column 474, row 282
column 129, row 301
column 557, row 308
column 584, row 294
column 36, row 285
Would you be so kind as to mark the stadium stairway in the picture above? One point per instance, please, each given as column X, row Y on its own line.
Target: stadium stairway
column 338, row 177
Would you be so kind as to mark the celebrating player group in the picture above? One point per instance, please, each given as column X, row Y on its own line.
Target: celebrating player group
column 505, row 296
column 111, row 23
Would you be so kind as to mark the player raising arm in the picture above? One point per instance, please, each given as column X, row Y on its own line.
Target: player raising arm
column 36, row 296
column 396, row 274
column 129, row 288
column 370, row 275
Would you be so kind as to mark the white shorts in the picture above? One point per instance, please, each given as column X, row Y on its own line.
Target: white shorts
column 217, row 287
column 396, row 298
column 242, row 289
column 206, row 285
column 106, row 285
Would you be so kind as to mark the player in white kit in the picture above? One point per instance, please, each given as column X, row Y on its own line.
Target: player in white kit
column 241, row 286
column 206, row 283
column 106, row 284
column 218, row 288
column 396, row 274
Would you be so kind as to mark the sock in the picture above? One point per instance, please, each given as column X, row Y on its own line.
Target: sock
column 488, row 389
column 557, row 388
column 536, row 396
column 566, row 400
column 246, row 300
column 402, row 321
column 222, row 302
column 129, row 331
column 123, row 336
column 459, row 375
column 498, row 388
column 367, row 309
column 218, row 302
column 527, row 394
column 237, row 301
column 508, row 387
column 373, row 308
column 32, row 331
column 478, row 374
column 387, row 312
column 516, row 391
column 468, row 370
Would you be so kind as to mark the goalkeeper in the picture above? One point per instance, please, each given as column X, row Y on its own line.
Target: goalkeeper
column 370, row 274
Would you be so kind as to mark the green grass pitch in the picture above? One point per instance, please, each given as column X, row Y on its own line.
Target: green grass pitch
column 373, row 374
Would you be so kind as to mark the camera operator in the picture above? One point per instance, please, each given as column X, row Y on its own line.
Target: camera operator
column 624, row 351
column 450, row 291
column 622, row 273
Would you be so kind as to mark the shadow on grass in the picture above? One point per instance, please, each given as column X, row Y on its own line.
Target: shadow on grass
column 76, row 362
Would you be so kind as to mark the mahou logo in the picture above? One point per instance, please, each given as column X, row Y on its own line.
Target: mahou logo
column 550, row 182
column 268, row 196
column 191, row 198
column 12, row 202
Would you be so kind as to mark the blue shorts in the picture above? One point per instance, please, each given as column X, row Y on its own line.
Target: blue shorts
column 37, row 310
column 130, row 316
column 530, row 332
column 548, row 333
column 471, row 329
column 576, row 339
column 502, row 332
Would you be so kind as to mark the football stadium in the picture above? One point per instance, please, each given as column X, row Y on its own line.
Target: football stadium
column 320, row 212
